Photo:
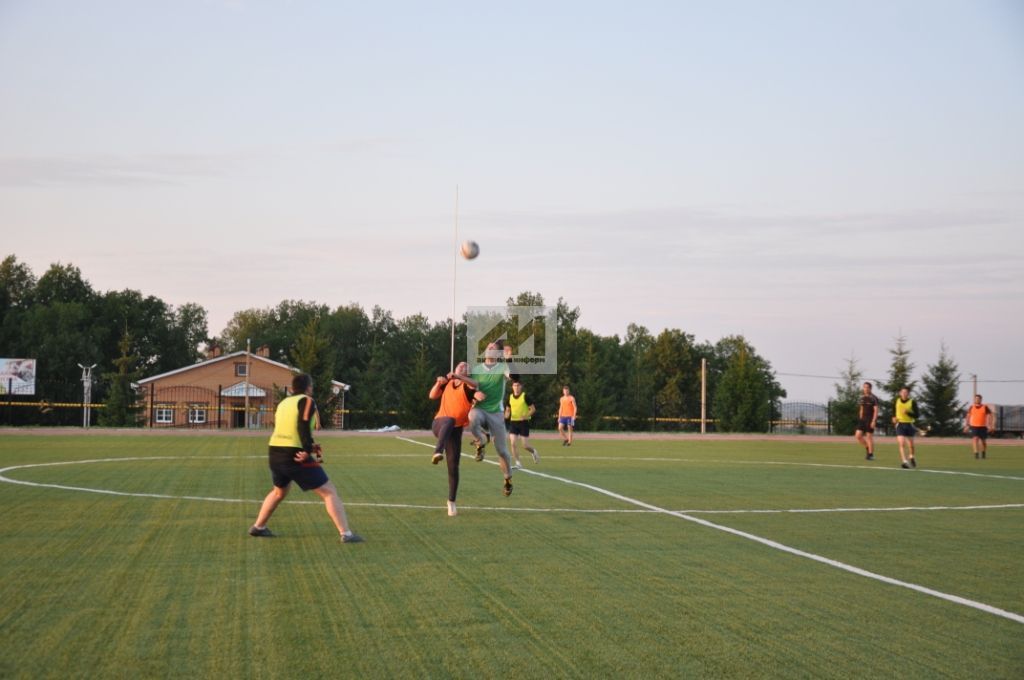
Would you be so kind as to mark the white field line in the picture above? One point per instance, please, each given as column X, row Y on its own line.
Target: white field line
column 626, row 499
column 413, row 506
column 956, row 599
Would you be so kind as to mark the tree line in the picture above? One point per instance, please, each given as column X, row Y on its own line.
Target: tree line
column 639, row 381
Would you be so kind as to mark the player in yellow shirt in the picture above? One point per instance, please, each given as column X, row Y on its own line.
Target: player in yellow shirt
column 519, row 408
column 295, row 457
column 905, row 415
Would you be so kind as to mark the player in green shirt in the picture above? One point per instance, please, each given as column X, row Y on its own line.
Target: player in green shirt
column 490, row 377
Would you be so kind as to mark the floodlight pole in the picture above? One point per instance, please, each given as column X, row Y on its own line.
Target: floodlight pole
column 342, row 390
column 248, row 363
column 86, row 394
column 703, row 396
column 455, row 267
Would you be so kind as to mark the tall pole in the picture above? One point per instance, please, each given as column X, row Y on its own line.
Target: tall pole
column 86, row 394
column 703, row 396
column 974, row 385
column 248, row 364
column 455, row 263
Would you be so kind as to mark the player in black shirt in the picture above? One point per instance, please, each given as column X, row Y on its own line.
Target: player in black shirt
column 867, row 414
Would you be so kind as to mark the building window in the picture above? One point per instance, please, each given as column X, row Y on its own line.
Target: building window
column 164, row 414
column 241, row 370
column 197, row 414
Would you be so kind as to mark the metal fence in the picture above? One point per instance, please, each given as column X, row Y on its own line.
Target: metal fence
column 193, row 407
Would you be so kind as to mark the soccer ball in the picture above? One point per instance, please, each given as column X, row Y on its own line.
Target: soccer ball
column 469, row 249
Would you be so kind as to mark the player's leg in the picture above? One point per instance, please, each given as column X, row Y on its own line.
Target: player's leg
column 496, row 424
column 442, row 429
column 531, row 449
column 513, row 445
column 270, row 503
column 453, row 451
column 477, row 420
column 336, row 511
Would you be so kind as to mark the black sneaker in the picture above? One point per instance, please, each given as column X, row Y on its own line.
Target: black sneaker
column 351, row 538
column 913, row 462
column 508, row 487
column 905, row 466
column 260, row 533
column 437, row 458
column 870, row 456
column 982, row 455
column 976, row 455
column 565, row 443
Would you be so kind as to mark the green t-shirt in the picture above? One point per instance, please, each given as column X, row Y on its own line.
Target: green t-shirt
column 491, row 381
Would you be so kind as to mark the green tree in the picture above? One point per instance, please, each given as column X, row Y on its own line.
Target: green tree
column 676, row 382
column 17, row 283
column 63, row 283
column 637, row 366
column 310, row 355
column 900, row 371
column 844, row 406
column 276, row 327
column 743, row 402
column 941, row 413
column 416, row 409
column 122, row 408
column 600, row 382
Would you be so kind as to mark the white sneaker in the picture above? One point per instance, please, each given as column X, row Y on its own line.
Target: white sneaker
column 517, row 466
column 452, row 512
column 536, row 455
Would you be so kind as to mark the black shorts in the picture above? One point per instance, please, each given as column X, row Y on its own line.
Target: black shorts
column 284, row 470
column 519, row 428
column 905, row 430
column 979, row 432
column 865, row 426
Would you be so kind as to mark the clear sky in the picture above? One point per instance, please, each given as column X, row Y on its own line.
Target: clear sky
column 819, row 176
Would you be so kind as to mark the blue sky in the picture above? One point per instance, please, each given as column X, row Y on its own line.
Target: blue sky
column 820, row 177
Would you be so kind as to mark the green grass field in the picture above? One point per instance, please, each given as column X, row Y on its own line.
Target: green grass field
column 559, row 580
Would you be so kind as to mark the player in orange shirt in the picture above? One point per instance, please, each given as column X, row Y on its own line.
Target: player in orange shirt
column 457, row 393
column 980, row 419
column 566, row 415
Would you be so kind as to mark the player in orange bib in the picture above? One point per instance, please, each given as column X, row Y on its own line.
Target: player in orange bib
column 457, row 393
column 566, row 416
column 980, row 419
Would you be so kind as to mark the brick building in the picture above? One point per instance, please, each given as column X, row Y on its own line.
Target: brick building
column 212, row 393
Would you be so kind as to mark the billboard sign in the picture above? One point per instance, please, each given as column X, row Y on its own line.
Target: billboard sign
column 17, row 376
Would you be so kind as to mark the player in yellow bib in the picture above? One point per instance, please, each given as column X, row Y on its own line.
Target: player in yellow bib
column 905, row 414
column 519, row 408
column 295, row 457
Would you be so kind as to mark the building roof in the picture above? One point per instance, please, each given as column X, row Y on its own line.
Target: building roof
column 233, row 355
